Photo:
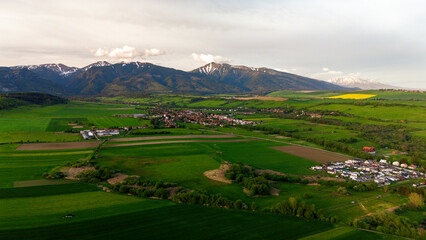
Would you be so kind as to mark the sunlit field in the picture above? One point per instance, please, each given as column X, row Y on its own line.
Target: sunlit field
column 353, row 96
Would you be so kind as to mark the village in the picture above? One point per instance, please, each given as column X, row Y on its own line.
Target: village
column 172, row 117
column 382, row 172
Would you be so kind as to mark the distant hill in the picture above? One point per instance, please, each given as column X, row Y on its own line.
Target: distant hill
column 103, row 78
column 364, row 84
column 10, row 100
column 24, row 80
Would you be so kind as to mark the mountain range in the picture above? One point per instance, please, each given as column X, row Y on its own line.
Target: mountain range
column 355, row 82
column 103, row 78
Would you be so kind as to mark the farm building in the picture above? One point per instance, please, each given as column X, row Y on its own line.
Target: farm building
column 369, row 149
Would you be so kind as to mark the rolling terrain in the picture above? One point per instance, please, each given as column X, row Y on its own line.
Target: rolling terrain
column 180, row 160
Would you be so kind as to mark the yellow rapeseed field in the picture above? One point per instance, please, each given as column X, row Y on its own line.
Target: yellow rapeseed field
column 353, row 96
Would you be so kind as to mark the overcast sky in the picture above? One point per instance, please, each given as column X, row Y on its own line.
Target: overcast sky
column 381, row 40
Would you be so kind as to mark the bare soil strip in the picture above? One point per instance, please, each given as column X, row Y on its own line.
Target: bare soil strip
column 41, row 182
column 70, row 173
column 169, row 137
column 316, row 155
column 219, row 174
column 180, row 141
column 53, row 146
column 118, row 178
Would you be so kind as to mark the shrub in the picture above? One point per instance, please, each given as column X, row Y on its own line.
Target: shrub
column 416, row 201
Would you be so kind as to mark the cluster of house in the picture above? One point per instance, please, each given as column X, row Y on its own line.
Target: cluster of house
column 89, row 134
column 381, row 172
column 171, row 117
column 312, row 115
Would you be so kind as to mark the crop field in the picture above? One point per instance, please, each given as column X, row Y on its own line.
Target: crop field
column 178, row 141
column 169, row 137
column 23, row 167
column 183, row 222
column 23, row 124
column 385, row 95
column 354, row 96
column 70, row 110
column 410, row 113
column 33, row 142
column 313, row 154
column 110, row 122
column 167, row 132
column 50, row 209
column 63, row 124
column 22, row 136
column 346, row 233
column 55, row 146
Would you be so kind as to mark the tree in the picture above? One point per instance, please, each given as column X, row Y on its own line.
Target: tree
column 416, row 201
column 253, row 206
column 238, row 204
column 404, row 190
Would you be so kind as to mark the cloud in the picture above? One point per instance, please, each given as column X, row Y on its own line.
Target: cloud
column 127, row 53
column 327, row 74
column 208, row 58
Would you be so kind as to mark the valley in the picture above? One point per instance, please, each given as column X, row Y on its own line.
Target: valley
column 199, row 164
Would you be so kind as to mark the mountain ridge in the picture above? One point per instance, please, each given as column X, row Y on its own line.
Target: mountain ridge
column 104, row 78
column 364, row 84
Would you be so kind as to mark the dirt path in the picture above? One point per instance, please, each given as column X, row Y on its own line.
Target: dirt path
column 181, row 141
column 392, row 209
column 169, row 137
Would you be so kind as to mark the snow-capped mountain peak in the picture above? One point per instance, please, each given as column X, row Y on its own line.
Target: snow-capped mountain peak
column 59, row 68
column 220, row 68
column 355, row 82
column 97, row 64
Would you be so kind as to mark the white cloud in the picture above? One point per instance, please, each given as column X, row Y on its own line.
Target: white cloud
column 126, row 53
column 327, row 74
column 208, row 58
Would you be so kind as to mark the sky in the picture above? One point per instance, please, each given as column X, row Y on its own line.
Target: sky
column 323, row 39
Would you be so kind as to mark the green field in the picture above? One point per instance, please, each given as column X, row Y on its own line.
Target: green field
column 108, row 122
column 34, row 208
column 23, row 124
column 64, row 124
column 32, row 164
column 124, row 217
column 410, row 113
